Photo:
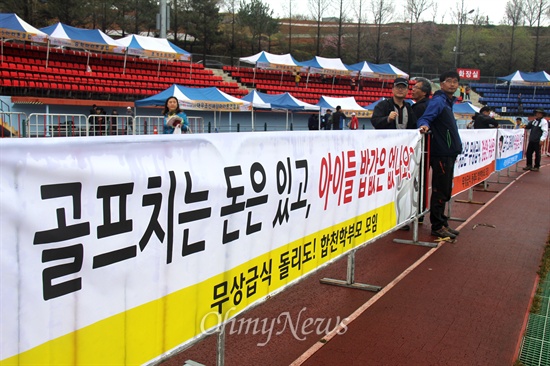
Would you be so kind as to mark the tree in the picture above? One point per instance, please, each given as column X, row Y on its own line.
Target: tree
column 514, row 17
column 415, row 8
column 204, row 23
column 382, row 10
column 232, row 10
column 360, row 18
column 256, row 16
column 317, row 9
column 534, row 10
column 340, row 28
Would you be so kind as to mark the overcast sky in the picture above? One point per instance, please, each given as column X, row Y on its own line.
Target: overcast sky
column 492, row 8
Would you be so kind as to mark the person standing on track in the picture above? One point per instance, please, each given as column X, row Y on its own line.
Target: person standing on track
column 444, row 148
column 539, row 133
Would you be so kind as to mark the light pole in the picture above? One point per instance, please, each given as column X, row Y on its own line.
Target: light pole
column 461, row 19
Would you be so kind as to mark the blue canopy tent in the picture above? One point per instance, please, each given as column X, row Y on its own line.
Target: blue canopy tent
column 538, row 78
column 159, row 48
column 377, row 71
column 266, row 60
column 203, row 99
column 13, row 27
column 328, row 66
column 284, row 101
column 371, row 70
column 465, row 108
column 88, row 39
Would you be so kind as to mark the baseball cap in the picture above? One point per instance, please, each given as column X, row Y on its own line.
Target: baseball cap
column 353, row 114
column 128, row 107
column 401, row 81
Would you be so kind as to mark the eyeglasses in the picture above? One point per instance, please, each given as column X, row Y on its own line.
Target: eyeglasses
column 400, row 87
column 451, row 81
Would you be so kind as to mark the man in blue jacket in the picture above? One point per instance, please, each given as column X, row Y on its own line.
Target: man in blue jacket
column 444, row 148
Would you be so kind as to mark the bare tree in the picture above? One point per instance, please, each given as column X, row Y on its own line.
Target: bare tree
column 382, row 10
column 461, row 15
column 514, row 17
column 340, row 28
column 415, row 8
column 534, row 10
column 434, row 13
column 360, row 18
column 317, row 9
column 290, row 26
column 231, row 6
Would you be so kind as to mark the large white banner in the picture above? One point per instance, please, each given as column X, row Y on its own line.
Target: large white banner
column 115, row 250
column 509, row 147
column 476, row 162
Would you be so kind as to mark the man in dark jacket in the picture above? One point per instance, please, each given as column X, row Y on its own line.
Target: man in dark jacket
column 537, row 136
column 484, row 120
column 338, row 119
column 394, row 113
column 444, row 148
column 421, row 93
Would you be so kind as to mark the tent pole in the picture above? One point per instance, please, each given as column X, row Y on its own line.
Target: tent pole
column 88, row 61
column 125, row 57
column 48, row 53
column 282, row 74
column 254, row 79
column 286, row 120
column 158, row 70
column 2, row 49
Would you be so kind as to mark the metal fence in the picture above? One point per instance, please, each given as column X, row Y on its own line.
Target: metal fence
column 17, row 124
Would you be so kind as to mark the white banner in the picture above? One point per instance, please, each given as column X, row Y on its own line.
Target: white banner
column 509, row 147
column 476, row 162
column 115, row 250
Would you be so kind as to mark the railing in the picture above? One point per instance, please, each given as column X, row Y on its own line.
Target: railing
column 12, row 124
column 70, row 125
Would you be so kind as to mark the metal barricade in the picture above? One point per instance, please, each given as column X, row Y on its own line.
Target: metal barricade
column 152, row 125
column 110, row 125
column 56, row 125
column 196, row 124
column 12, row 124
column 17, row 124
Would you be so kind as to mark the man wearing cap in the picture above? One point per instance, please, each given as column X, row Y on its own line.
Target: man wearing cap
column 539, row 133
column 445, row 146
column 484, row 120
column 394, row 113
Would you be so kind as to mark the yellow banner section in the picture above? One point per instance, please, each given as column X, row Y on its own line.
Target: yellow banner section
column 147, row 331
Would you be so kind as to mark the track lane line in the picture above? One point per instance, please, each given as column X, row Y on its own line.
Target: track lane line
column 317, row 346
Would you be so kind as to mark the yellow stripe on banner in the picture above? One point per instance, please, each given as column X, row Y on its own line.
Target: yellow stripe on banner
column 140, row 334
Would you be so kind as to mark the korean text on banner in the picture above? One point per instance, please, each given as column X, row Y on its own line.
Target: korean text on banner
column 509, row 147
column 476, row 162
column 117, row 250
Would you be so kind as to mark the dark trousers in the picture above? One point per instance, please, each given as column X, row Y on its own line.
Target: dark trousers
column 533, row 147
column 442, row 186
